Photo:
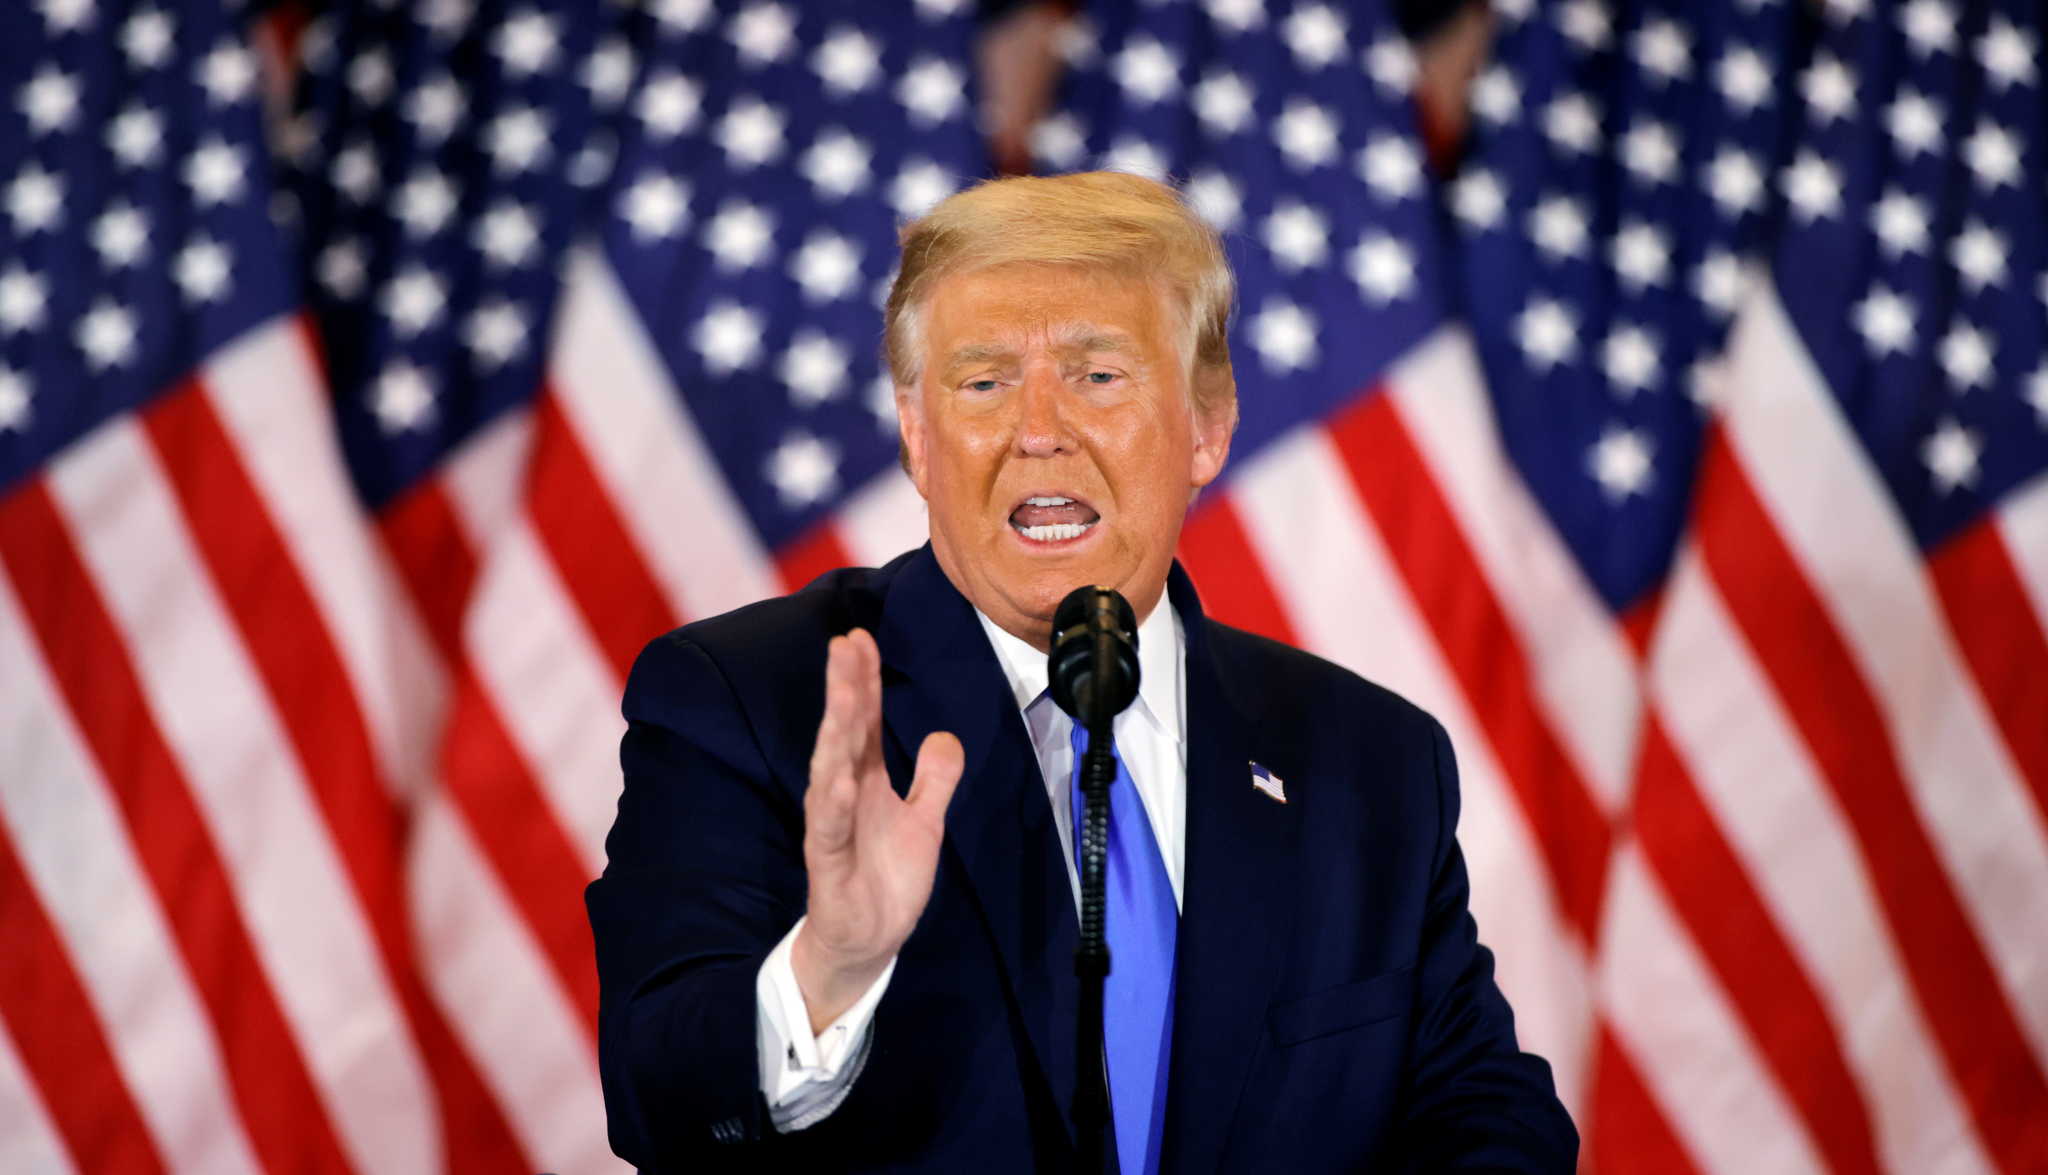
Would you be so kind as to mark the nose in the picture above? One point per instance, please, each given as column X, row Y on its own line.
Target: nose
column 1042, row 429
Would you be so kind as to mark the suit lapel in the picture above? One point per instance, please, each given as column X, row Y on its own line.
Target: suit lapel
column 1239, row 871
column 939, row 673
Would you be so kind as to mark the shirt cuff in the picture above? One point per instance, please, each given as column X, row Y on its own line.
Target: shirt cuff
column 805, row 1077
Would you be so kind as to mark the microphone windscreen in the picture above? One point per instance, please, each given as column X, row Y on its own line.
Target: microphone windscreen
column 1076, row 607
column 1080, row 679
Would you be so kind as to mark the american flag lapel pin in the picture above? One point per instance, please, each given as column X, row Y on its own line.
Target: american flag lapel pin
column 1268, row 783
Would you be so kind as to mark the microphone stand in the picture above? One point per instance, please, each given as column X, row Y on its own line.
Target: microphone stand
column 1091, row 954
column 1092, row 669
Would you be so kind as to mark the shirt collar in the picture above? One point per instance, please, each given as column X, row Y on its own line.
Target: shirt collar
column 1159, row 666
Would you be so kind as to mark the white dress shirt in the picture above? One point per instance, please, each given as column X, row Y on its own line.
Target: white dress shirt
column 803, row 1077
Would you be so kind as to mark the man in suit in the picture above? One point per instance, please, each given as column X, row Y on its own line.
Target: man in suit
column 837, row 926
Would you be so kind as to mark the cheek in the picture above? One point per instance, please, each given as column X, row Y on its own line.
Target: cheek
column 1153, row 457
column 964, row 458
column 967, row 455
column 967, row 425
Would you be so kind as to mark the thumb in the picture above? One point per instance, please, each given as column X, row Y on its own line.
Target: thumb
column 939, row 763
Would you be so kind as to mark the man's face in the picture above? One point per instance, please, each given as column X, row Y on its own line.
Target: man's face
column 1053, row 437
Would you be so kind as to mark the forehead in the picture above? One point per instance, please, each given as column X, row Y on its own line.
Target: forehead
column 1017, row 305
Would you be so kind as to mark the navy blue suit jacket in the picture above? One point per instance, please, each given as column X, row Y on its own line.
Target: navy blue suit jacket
column 1335, row 1011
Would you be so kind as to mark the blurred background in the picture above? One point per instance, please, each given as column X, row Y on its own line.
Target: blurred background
column 1653, row 390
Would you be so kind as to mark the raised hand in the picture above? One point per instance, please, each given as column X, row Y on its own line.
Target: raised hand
column 870, row 854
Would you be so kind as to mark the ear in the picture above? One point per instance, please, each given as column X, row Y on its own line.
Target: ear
column 910, row 433
column 1213, row 426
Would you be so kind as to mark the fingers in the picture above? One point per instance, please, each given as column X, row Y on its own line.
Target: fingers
column 847, row 759
column 939, row 762
column 829, row 802
column 836, row 729
column 867, row 713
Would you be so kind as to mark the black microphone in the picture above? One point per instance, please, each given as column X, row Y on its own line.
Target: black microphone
column 1093, row 666
column 1093, row 671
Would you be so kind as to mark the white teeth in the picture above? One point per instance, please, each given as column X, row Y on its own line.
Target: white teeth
column 1055, row 532
column 1048, row 501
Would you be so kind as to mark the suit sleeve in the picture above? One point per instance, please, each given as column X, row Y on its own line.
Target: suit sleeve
column 704, row 876
column 1474, row 1101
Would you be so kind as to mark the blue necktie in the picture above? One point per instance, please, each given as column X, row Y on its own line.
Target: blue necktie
column 1141, row 923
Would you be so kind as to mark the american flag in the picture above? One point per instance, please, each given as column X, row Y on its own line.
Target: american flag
column 1682, row 453
column 1758, row 305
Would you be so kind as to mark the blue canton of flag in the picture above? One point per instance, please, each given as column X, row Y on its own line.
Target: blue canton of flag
column 1620, row 184
column 443, row 158
column 1912, row 261
column 135, row 235
column 753, row 226
column 1290, row 133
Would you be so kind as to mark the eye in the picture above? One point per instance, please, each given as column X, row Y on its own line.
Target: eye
column 1101, row 377
column 981, row 385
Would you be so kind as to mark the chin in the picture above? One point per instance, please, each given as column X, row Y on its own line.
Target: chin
column 1043, row 591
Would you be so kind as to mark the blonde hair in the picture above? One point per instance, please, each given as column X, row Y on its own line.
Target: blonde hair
column 1095, row 219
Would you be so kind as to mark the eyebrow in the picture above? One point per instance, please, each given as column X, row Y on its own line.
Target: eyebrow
column 1119, row 344
column 977, row 353
column 973, row 353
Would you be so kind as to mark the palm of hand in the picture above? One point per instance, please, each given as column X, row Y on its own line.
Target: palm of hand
column 870, row 854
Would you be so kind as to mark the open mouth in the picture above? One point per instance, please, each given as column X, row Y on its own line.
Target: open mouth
column 1053, row 518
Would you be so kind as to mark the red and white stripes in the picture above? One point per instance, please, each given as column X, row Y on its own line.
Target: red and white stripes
column 112, row 1038
column 1829, row 594
column 130, row 559
column 1757, row 786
